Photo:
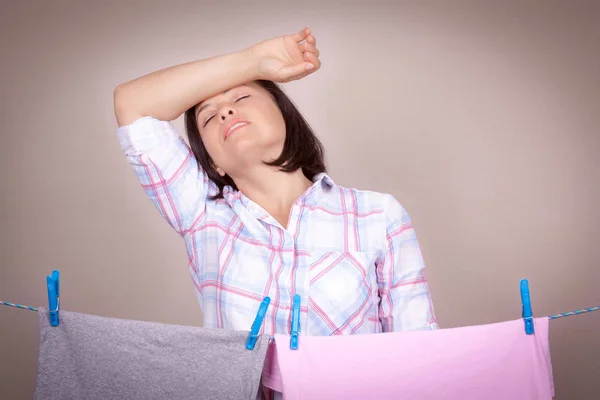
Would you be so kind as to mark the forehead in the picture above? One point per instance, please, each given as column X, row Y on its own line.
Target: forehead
column 205, row 103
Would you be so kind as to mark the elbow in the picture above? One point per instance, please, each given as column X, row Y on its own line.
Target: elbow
column 124, row 112
column 118, row 95
column 119, row 104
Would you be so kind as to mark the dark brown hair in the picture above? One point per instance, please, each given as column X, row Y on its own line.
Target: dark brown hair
column 301, row 148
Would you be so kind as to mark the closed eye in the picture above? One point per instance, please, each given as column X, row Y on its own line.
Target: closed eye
column 207, row 121
column 211, row 117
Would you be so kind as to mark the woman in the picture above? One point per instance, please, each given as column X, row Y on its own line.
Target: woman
column 255, row 206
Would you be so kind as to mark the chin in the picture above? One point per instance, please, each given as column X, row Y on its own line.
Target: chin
column 253, row 154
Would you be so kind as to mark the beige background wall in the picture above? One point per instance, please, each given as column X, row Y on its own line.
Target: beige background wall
column 481, row 117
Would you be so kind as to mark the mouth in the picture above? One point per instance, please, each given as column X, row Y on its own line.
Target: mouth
column 234, row 126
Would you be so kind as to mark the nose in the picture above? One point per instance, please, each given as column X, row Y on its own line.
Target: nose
column 225, row 112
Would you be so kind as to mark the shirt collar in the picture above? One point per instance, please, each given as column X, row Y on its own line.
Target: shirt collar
column 325, row 181
column 321, row 182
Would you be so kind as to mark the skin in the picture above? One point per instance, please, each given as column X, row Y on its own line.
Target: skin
column 241, row 154
column 220, row 81
column 261, row 140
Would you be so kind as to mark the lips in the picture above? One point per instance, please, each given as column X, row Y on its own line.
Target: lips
column 234, row 126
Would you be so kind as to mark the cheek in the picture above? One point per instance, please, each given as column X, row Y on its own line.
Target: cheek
column 211, row 143
column 274, row 120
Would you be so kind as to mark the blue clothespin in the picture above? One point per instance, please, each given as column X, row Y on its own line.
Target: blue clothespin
column 526, row 301
column 53, row 282
column 295, row 322
column 260, row 316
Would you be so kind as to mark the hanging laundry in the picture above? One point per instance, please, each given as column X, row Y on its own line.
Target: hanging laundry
column 92, row 357
column 492, row 362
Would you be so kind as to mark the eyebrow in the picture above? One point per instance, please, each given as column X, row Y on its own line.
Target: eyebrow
column 203, row 106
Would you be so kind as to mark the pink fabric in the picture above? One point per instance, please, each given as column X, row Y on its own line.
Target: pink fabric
column 494, row 361
column 271, row 375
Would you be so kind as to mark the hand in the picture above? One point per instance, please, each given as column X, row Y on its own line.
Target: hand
column 286, row 58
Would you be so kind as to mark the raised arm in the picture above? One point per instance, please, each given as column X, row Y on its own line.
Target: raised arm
column 162, row 161
column 167, row 93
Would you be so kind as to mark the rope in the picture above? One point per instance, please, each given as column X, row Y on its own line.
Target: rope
column 5, row 303
column 583, row 310
column 566, row 314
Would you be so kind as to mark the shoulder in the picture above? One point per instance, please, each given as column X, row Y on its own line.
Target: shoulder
column 364, row 201
column 387, row 216
column 383, row 203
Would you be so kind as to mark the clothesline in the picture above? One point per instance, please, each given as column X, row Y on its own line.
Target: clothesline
column 575, row 312
column 566, row 314
column 6, row 303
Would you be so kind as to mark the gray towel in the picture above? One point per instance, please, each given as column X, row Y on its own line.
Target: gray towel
column 88, row 357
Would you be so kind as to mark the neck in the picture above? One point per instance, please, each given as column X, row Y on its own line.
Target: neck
column 273, row 190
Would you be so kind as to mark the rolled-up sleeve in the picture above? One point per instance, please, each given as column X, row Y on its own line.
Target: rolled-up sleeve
column 405, row 300
column 166, row 169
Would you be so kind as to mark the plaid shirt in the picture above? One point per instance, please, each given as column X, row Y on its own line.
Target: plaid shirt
column 351, row 255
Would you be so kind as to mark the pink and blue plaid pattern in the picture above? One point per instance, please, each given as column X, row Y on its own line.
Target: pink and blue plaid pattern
column 351, row 255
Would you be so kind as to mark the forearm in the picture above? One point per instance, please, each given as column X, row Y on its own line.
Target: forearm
column 166, row 94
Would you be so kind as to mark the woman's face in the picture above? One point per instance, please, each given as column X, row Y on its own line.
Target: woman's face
column 241, row 128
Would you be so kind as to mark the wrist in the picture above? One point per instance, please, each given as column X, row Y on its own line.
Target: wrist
column 249, row 62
